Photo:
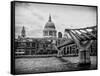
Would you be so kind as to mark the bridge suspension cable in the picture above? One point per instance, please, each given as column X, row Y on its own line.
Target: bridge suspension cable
column 80, row 35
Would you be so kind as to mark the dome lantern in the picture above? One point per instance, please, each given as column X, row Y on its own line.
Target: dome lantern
column 49, row 18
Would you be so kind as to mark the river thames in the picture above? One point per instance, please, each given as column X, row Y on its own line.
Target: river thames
column 50, row 64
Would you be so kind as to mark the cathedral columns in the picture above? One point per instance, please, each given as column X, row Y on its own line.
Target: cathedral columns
column 47, row 33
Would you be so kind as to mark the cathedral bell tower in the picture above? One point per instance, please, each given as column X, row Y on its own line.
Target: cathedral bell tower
column 23, row 33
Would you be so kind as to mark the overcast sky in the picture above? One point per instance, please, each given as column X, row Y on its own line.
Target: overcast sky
column 34, row 17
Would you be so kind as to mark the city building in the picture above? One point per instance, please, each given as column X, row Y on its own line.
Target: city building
column 59, row 35
column 48, row 44
column 35, row 46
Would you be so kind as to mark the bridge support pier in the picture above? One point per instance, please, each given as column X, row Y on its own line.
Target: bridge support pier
column 59, row 54
column 84, row 58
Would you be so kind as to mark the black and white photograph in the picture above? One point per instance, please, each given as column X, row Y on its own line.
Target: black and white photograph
column 51, row 37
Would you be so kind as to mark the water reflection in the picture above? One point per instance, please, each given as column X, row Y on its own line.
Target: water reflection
column 67, row 65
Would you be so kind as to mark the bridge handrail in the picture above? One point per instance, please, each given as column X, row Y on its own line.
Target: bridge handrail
column 84, row 28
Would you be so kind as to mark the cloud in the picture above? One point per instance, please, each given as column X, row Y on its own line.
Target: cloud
column 34, row 17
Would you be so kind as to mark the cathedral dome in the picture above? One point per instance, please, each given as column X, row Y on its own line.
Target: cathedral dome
column 49, row 29
column 50, row 24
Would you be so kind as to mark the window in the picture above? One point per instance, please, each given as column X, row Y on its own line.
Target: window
column 45, row 33
column 33, row 45
column 28, row 44
column 50, row 33
column 23, row 44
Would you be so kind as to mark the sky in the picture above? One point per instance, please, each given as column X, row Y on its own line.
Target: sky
column 34, row 16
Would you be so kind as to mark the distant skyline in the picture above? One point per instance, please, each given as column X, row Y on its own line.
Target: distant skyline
column 34, row 16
